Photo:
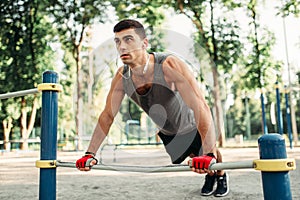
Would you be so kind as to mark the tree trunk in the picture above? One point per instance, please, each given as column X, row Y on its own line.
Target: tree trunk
column 32, row 116
column 79, row 121
column 216, row 90
column 25, row 131
column 7, row 125
column 23, row 128
column 91, row 77
column 219, row 111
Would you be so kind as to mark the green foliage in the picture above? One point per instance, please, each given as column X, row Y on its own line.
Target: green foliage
column 25, row 52
column 148, row 10
column 24, row 55
column 23, row 45
column 290, row 7
column 28, row 27
column 152, row 14
column 67, row 80
column 24, row 49
column 259, row 61
column 227, row 44
column 237, row 120
column 71, row 18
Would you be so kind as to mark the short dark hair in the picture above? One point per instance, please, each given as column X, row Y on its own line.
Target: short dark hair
column 128, row 24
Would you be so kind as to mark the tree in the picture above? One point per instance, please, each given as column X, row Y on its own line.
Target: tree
column 72, row 18
column 220, row 39
column 66, row 123
column 290, row 7
column 24, row 56
column 259, row 60
column 218, row 36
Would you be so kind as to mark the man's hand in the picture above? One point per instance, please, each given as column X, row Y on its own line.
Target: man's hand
column 86, row 162
column 201, row 164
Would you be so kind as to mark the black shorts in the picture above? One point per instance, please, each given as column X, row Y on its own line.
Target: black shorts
column 179, row 147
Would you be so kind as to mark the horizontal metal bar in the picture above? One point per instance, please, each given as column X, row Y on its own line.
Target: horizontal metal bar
column 262, row 165
column 166, row 168
column 148, row 169
column 232, row 165
column 29, row 140
column 19, row 93
column 137, row 144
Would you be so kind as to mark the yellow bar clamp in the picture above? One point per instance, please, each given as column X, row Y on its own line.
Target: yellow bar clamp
column 275, row 165
column 50, row 87
column 45, row 163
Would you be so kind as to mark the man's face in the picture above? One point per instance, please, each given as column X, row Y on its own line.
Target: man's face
column 129, row 45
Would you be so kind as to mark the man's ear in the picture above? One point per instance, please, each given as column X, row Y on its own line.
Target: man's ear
column 145, row 43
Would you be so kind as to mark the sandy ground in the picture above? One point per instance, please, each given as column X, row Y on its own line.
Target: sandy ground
column 19, row 179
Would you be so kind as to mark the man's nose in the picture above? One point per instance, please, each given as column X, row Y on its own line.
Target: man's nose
column 122, row 47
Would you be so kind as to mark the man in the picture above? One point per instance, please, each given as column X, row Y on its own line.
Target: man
column 164, row 87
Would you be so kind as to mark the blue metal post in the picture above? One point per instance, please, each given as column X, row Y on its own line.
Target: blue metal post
column 262, row 99
column 288, row 117
column 276, row 185
column 47, row 189
column 279, row 116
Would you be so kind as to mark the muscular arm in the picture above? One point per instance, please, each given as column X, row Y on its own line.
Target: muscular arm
column 106, row 118
column 177, row 72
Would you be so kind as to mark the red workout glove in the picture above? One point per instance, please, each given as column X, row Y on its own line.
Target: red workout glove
column 85, row 161
column 203, row 162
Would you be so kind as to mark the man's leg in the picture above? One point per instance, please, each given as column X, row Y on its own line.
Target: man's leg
column 194, row 149
column 219, row 160
column 211, row 178
column 222, row 179
column 179, row 147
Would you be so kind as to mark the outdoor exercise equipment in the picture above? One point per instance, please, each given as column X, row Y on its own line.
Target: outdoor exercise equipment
column 279, row 112
column 273, row 163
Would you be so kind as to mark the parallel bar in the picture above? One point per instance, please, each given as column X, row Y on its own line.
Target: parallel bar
column 166, row 168
column 19, row 93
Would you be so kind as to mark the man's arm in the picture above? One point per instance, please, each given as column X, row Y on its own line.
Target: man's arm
column 106, row 118
column 176, row 71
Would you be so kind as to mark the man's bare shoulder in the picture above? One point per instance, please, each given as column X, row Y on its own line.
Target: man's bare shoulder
column 118, row 74
column 117, row 83
column 174, row 64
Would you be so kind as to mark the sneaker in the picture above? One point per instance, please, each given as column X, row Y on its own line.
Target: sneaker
column 208, row 187
column 222, row 186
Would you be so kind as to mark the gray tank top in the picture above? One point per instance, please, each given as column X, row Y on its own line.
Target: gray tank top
column 163, row 105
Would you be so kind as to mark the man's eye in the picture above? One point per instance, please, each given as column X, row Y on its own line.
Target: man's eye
column 128, row 39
